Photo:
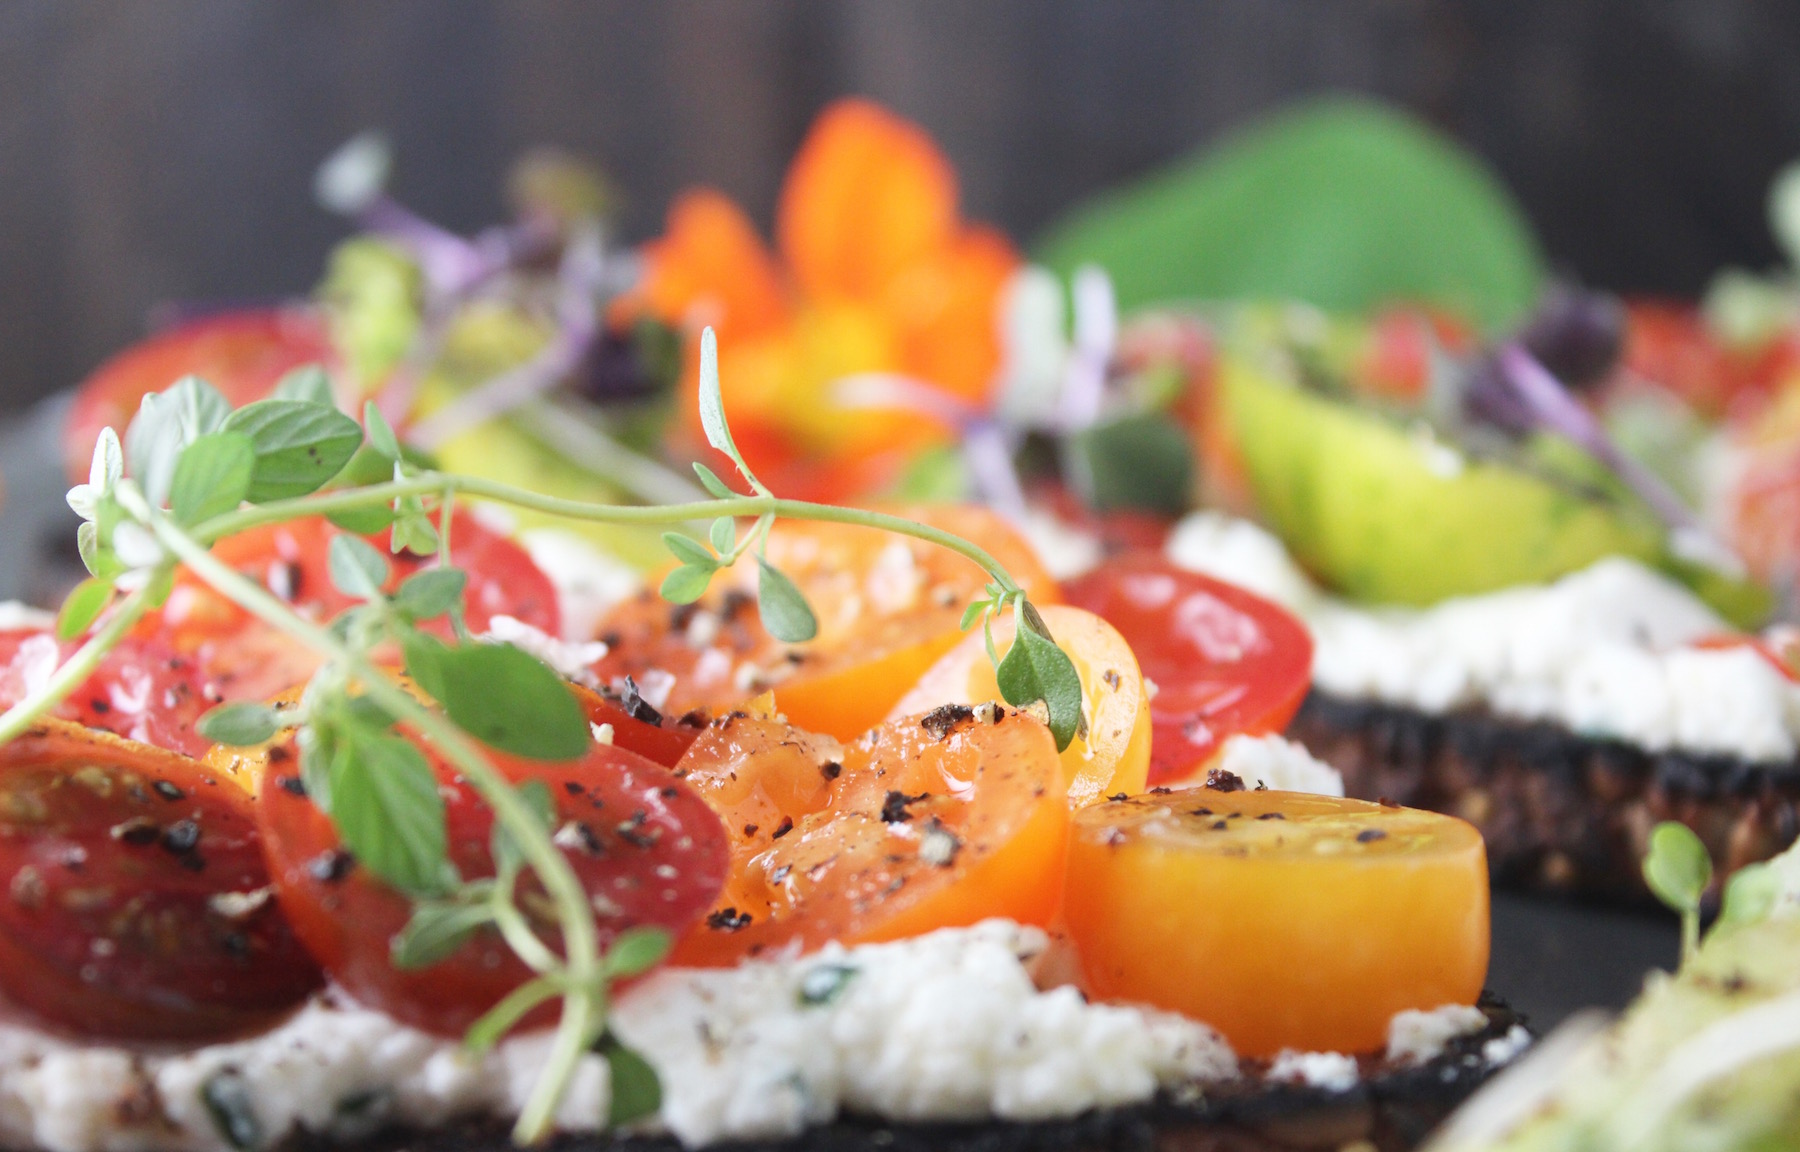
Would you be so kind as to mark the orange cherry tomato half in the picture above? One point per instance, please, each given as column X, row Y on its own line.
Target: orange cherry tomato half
column 1113, row 755
column 139, row 905
column 925, row 823
column 242, row 354
column 888, row 607
column 1224, row 661
column 245, row 659
column 1283, row 919
column 142, row 690
column 644, row 846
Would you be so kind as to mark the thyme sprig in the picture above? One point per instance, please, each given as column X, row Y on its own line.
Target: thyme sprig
column 191, row 471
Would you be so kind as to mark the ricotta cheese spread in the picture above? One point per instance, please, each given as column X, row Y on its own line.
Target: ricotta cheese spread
column 1607, row 651
column 1280, row 764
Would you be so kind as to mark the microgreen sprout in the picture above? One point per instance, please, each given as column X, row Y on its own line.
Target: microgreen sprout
column 1678, row 870
column 191, row 471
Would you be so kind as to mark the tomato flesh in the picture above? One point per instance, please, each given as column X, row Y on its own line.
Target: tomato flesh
column 888, row 607
column 1285, row 920
column 242, row 354
column 1224, row 661
column 142, row 690
column 924, row 823
column 138, row 901
column 245, row 659
column 644, row 846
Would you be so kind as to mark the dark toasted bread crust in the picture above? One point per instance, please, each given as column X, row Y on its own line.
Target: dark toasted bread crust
column 1392, row 1109
column 1561, row 812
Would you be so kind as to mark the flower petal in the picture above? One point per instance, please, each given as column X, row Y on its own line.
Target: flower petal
column 946, row 312
column 867, row 195
column 710, row 267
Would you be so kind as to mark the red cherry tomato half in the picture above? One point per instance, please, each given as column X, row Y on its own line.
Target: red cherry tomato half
column 1224, row 661
column 245, row 659
column 646, row 848
column 640, row 728
column 242, row 354
column 142, row 690
column 138, row 900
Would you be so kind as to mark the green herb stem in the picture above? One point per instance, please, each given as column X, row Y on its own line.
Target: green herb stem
column 581, row 959
column 78, row 667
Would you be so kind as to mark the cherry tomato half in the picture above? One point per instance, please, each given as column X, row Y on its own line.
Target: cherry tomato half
column 1283, row 919
column 887, row 606
column 928, row 822
column 242, row 354
column 142, row 690
column 244, row 658
column 645, row 847
column 138, row 902
column 1224, row 661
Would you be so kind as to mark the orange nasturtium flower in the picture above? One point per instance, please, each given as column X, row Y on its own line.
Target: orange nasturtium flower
column 876, row 273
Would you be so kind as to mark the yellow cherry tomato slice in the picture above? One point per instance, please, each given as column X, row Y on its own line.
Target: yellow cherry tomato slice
column 888, row 607
column 924, row 823
column 1114, row 754
column 1283, row 919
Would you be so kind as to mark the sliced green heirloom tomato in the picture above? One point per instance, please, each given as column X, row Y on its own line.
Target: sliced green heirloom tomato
column 644, row 846
column 1224, row 661
column 139, row 905
column 1283, row 919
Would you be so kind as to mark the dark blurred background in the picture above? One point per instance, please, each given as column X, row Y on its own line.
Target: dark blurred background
column 155, row 149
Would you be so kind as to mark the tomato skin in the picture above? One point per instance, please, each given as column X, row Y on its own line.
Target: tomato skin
column 1285, row 920
column 245, row 659
column 1224, row 661
column 348, row 918
column 115, row 854
column 242, row 354
column 831, row 842
column 664, row 742
column 888, row 607
column 142, row 690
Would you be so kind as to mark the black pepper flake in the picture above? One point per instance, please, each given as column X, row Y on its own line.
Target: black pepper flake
column 330, row 867
column 694, row 718
column 635, row 705
column 1271, row 816
column 138, row 831
column 572, row 787
column 668, row 792
column 750, row 829
column 1386, row 803
column 943, row 720
column 780, row 873
column 279, row 754
column 893, row 808
column 632, row 831
column 1201, row 811
column 236, row 943
column 681, row 615
column 1218, row 825
column 181, row 837
column 100, row 705
column 1118, row 797
column 1161, row 791
column 168, row 791
column 783, row 828
column 1220, row 780
column 728, row 919
column 292, row 785
column 831, row 769
column 1111, row 678
column 735, row 601
column 611, row 639
column 1370, row 835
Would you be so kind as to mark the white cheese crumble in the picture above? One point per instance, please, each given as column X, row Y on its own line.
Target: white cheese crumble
column 1064, row 550
column 1278, row 763
column 1606, row 651
column 1416, row 1037
column 943, row 1026
column 1332, row 1071
column 19, row 617
column 588, row 581
column 573, row 658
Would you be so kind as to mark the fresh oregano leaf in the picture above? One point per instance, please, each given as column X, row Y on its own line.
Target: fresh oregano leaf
column 307, row 384
column 1034, row 668
column 637, row 950
column 318, row 747
column 167, row 422
column 82, row 606
column 240, row 723
column 973, row 613
column 508, row 857
column 212, row 476
column 436, row 930
column 712, row 405
column 358, row 569
column 381, row 433
column 385, row 803
column 431, row 592
column 689, row 551
column 363, row 521
column 784, row 610
column 636, row 1091
column 299, row 446
column 413, row 530
column 723, row 534
column 686, row 584
column 502, row 696
column 710, row 481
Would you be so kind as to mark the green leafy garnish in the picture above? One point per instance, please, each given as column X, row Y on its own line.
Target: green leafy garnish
column 636, row 1090
column 1678, row 869
column 212, row 476
column 785, row 612
column 299, row 446
column 502, row 696
column 385, row 803
column 241, row 723
column 1036, row 669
